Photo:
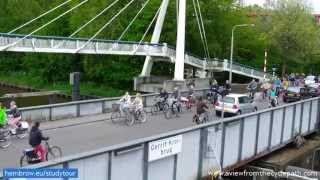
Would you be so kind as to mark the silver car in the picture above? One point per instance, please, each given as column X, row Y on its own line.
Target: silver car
column 236, row 104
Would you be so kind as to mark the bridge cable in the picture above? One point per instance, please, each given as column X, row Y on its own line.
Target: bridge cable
column 38, row 29
column 146, row 32
column 200, row 30
column 132, row 21
column 104, row 26
column 40, row 16
column 84, row 25
column 203, row 29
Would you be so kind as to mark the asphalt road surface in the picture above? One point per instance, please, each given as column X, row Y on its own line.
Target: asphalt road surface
column 91, row 136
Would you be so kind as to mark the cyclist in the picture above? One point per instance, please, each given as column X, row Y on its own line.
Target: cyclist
column 176, row 95
column 201, row 108
column 137, row 103
column 163, row 98
column 273, row 97
column 35, row 139
column 252, row 88
column 125, row 102
column 3, row 116
column 163, row 95
column 14, row 116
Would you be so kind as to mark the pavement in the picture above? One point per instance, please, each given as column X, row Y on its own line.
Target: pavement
column 88, row 133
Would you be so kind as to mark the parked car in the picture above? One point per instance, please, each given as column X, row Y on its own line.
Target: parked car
column 235, row 104
column 313, row 90
column 309, row 80
column 293, row 94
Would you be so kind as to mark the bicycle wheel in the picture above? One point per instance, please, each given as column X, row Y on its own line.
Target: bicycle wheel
column 115, row 117
column 130, row 119
column 53, row 153
column 154, row 109
column 22, row 133
column 23, row 160
column 142, row 116
column 5, row 141
column 168, row 113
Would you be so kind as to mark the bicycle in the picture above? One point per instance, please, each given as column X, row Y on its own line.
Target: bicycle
column 160, row 105
column 133, row 116
column 202, row 118
column 5, row 137
column 116, row 113
column 31, row 157
column 173, row 110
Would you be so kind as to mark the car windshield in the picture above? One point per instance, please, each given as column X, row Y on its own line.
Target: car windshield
column 294, row 89
column 228, row 100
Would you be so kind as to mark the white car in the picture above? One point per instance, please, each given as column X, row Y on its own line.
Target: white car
column 309, row 80
column 235, row 104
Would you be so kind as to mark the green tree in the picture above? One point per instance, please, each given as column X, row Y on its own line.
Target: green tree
column 292, row 31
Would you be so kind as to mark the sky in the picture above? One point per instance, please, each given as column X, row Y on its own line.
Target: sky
column 314, row 3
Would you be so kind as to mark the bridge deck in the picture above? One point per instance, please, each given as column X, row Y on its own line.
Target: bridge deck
column 49, row 44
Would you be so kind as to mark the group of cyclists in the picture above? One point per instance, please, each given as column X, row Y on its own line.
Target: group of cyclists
column 12, row 119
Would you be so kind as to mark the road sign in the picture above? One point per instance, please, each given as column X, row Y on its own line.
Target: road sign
column 165, row 147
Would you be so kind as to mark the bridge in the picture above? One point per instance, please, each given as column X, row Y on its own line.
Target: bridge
column 101, row 149
column 154, row 51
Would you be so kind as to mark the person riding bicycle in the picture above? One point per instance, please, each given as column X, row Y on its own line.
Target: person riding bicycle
column 164, row 95
column 252, row 88
column 137, row 103
column 273, row 96
column 201, row 109
column 3, row 116
column 201, row 106
column 176, row 95
column 35, row 139
column 125, row 102
column 14, row 116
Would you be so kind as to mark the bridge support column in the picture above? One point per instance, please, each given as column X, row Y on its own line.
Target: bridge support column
column 148, row 63
column 180, row 49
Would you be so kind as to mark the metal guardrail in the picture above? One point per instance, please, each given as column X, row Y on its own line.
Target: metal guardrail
column 226, row 143
column 81, row 108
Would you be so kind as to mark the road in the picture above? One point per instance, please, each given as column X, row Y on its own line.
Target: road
column 90, row 136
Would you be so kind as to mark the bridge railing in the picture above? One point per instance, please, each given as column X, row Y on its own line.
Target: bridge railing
column 197, row 151
column 82, row 108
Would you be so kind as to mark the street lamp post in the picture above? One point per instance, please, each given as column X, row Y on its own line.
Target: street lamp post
column 232, row 41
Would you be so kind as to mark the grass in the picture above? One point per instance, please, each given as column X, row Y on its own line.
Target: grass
column 86, row 88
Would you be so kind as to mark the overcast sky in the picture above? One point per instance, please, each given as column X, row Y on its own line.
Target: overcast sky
column 314, row 3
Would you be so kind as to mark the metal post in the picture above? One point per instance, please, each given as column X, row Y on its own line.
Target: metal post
column 240, row 139
column 282, row 124
column 257, row 135
column 223, row 136
column 147, row 67
column 231, row 48
column 65, row 165
column 301, row 117
column 145, row 161
column 310, row 112
column 270, row 130
column 231, row 56
column 293, row 121
column 202, row 144
column 175, row 164
column 180, row 51
column 110, row 154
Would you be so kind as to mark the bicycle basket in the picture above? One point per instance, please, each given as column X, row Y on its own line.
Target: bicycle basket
column 115, row 107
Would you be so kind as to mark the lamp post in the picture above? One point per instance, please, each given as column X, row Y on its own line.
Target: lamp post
column 232, row 41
